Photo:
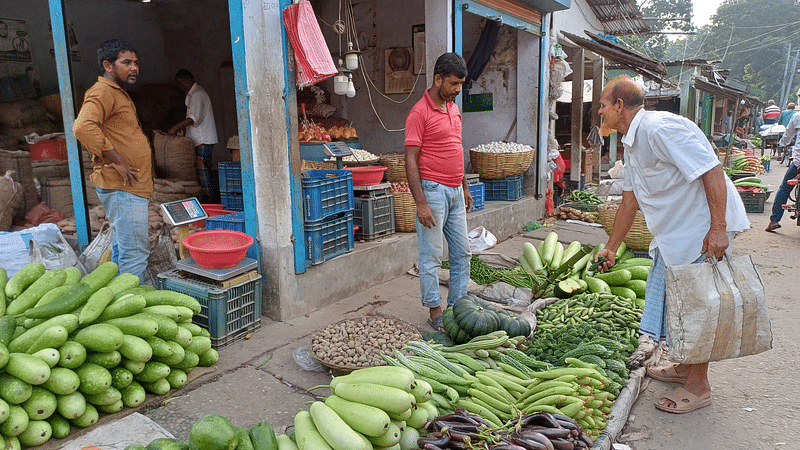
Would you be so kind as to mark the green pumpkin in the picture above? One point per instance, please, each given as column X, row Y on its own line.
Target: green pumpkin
column 475, row 316
column 438, row 337
column 513, row 325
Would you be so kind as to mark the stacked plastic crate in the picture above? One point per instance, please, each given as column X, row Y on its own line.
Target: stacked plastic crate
column 504, row 189
column 373, row 215
column 477, row 190
column 328, row 214
column 230, row 185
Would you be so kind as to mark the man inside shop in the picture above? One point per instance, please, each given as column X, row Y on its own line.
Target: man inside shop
column 107, row 125
column 200, row 127
column 435, row 171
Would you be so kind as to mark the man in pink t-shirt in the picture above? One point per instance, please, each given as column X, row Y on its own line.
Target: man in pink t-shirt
column 435, row 171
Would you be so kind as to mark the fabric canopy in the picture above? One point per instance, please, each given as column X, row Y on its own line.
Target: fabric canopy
column 314, row 61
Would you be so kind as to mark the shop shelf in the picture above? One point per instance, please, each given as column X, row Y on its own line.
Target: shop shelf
column 326, row 193
column 328, row 238
column 374, row 217
column 228, row 314
column 478, row 192
column 754, row 201
column 230, row 176
column 232, row 202
column 505, row 189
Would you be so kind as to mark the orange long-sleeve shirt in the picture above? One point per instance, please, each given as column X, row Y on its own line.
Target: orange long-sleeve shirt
column 108, row 120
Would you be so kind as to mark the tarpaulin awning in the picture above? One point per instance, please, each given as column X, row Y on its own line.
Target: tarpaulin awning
column 314, row 61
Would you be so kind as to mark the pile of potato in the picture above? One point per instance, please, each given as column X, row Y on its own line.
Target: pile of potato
column 566, row 212
column 359, row 342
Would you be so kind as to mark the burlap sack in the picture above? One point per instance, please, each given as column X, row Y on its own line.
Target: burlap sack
column 44, row 170
column 57, row 194
column 22, row 112
column 20, row 163
column 10, row 198
column 8, row 143
column 19, row 133
column 175, row 157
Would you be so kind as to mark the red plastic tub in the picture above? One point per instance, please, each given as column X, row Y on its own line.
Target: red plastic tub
column 367, row 175
column 212, row 209
column 218, row 249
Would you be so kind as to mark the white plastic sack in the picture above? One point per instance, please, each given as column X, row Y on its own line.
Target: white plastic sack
column 99, row 245
column 617, row 170
column 55, row 255
column 14, row 246
column 481, row 239
column 716, row 311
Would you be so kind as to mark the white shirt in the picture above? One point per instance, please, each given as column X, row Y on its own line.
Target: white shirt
column 665, row 158
column 791, row 131
column 198, row 108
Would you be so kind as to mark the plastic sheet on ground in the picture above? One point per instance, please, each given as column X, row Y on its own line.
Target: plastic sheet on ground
column 132, row 429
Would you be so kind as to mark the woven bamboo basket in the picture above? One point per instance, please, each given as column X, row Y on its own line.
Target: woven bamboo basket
column 395, row 167
column 638, row 238
column 315, row 165
column 405, row 212
column 495, row 166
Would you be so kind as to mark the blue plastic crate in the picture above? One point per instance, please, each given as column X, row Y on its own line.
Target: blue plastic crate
column 232, row 202
column 327, row 193
column 506, row 189
column 230, row 176
column 227, row 313
column 326, row 239
column 478, row 192
column 233, row 222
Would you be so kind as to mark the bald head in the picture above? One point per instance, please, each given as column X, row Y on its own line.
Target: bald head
column 624, row 88
column 620, row 100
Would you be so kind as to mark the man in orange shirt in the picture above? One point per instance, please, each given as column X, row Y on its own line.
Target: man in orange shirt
column 107, row 125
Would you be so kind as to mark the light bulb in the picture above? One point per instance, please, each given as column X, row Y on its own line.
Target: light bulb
column 351, row 89
column 340, row 84
column 351, row 59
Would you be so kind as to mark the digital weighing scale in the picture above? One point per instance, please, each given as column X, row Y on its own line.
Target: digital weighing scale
column 338, row 150
column 181, row 213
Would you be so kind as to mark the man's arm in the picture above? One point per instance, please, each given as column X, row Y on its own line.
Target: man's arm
column 716, row 241
column 424, row 213
column 467, row 195
column 181, row 125
column 623, row 221
column 791, row 130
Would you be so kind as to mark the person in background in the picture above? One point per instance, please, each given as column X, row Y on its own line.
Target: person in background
column 786, row 115
column 791, row 173
column 771, row 112
column 107, row 125
column 692, row 210
column 200, row 127
column 435, row 171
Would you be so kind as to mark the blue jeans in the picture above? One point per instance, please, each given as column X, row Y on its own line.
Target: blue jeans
column 204, row 154
column 783, row 193
column 450, row 214
column 128, row 216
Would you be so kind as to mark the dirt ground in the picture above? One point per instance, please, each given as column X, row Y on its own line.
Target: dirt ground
column 756, row 405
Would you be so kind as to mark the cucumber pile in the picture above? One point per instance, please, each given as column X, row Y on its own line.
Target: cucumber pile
column 73, row 347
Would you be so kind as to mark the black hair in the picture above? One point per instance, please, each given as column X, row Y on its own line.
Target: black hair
column 184, row 74
column 450, row 64
column 110, row 50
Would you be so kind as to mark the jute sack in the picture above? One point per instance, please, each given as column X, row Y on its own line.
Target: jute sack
column 22, row 112
column 57, row 194
column 20, row 163
column 175, row 157
column 44, row 170
column 10, row 198
column 715, row 311
column 19, row 133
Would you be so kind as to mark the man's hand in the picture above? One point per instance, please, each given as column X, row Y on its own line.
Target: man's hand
column 467, row 199
column 113, row 159
column 715, row 244
column 425, row 216
column 610, row 256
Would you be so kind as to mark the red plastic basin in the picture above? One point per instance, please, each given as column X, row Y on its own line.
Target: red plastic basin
column 367, row 175
column 212, row 209
column 218, row 249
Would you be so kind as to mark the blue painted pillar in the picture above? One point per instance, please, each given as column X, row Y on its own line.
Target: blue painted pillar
column 236, row 12
column 68, row 112
column 544, row 108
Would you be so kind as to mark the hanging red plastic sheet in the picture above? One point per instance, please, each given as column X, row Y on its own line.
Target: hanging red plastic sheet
column 314, row 61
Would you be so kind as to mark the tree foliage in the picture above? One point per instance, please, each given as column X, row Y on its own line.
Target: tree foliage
column 655, row 44
column 751, row 39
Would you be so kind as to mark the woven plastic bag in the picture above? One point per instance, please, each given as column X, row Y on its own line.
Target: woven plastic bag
column 715, row 311
column 99, row 250
column 162, row 256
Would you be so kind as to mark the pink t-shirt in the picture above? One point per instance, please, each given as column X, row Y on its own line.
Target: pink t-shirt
column 438, row 135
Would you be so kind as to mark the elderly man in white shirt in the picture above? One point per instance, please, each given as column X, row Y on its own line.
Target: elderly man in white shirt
column 691, row 208
column 200, row 126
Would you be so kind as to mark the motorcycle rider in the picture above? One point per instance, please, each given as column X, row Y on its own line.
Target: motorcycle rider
column 791, row 173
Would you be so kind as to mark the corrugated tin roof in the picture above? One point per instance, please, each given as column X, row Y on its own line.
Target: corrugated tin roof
column 619, row 17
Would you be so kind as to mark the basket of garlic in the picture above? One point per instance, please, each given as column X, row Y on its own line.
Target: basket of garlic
column 497, row 160
column 360, row 157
